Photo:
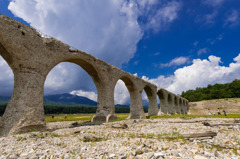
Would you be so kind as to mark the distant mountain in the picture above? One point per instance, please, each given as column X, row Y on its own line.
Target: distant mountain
column 122, row 105
column 60, row 100
column 68, row 100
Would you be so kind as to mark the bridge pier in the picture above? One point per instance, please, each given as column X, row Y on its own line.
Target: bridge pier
column 25, row 110
column 163, row 101
column 136, row 106
column 178, row 109
column 152, row 107
column 31, row 57
column 105, row 108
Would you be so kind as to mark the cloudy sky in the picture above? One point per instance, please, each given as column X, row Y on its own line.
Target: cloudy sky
column 175, row 44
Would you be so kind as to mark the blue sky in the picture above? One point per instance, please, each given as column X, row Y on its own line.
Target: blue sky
column 175, row 44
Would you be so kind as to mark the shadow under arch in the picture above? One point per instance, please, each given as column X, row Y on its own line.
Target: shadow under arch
column 129, row 84
column 152, row 100
column 163, row 97
column 6, row 55
column 148, row 92
column 176, row 104
column 181, row 106
column 170, row 104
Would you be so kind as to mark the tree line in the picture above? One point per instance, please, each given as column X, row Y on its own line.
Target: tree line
column 216, row 91
column 74, row 109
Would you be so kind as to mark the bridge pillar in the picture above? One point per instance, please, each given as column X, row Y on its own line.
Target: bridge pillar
column 163, row 101
column 187, row 107
column 25, row 110
column 152, row 107
column 181, row 106
column 136, row 107
column 105, row 108
column 177, row 106
column 171, row 107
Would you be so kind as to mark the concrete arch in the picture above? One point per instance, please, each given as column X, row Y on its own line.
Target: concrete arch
column 171, row 106
column 185, row 106
column 96, row 76
column 136, row 107
column 151, row 92
column 171, row 103
column 181, row 106
column 31, row 57
column 177, row 108
column 163, row 95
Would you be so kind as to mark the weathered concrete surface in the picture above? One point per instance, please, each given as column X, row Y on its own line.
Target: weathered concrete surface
column 163, row 96
column 31, row 57
column 171, row 103
column 151, row 92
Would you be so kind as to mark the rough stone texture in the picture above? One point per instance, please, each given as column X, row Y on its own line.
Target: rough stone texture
column 171, row 103
column 31, row 57
column 142, row 139
column 162, row 94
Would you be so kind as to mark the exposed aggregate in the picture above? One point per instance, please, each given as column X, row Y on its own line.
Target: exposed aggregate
column 148, row 138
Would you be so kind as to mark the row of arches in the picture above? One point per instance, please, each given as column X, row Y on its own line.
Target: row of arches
column 31, row 58
column 172, row 103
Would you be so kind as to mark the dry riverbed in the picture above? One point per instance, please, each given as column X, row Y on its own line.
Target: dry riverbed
column 149, row 138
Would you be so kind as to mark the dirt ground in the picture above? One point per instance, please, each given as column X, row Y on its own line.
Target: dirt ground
column 230, row 105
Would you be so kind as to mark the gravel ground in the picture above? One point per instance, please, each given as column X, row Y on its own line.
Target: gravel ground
column 149, row 138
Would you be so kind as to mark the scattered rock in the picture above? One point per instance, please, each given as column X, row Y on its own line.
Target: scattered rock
column 122, row 126
column 112, row 155
column 159, row 154
column 101, row 141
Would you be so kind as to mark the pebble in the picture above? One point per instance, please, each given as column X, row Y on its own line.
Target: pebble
column 112, row 155
column 159, row 154
column 142, row 139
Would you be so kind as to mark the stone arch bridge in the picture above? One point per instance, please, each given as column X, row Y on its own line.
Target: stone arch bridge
column 31, row 57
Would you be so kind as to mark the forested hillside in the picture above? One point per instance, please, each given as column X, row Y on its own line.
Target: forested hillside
column 217, row 91
column 75, row 109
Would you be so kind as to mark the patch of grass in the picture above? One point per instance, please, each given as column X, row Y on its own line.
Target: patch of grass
column 80, row 117
column 121, row 117
column 33, row 130
column 93, row 139
column 70, row 117
column 54, row 135
column 43, row 135
column 20, row 138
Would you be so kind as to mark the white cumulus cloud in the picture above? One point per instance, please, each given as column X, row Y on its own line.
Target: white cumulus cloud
column 199, row 74
column 108, row 29
column 89, row 94
column 176, row 62
column 237, row 59
column 121, row 94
